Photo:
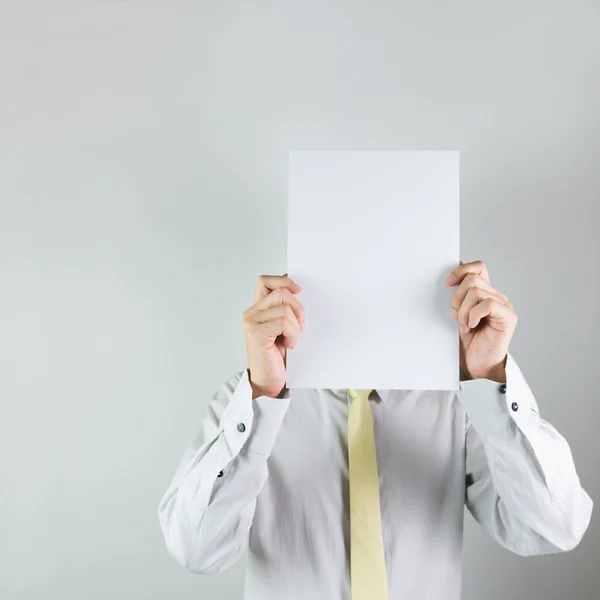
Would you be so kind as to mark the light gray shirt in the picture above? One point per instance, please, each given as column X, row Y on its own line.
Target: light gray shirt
column 270, row 476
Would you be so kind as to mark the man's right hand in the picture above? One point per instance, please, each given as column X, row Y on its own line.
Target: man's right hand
column 272, row 325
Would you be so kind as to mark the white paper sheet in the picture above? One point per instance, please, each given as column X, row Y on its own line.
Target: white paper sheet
column 371, row 236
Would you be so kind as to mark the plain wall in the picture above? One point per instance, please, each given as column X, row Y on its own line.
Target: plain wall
column 143, row 153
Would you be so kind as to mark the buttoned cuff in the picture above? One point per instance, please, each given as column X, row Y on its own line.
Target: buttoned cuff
column 492, row 406
column 253, row 424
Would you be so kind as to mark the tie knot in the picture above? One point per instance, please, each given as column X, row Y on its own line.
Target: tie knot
column 359, row 394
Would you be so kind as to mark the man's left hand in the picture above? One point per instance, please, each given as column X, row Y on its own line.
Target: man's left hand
column 487, row 322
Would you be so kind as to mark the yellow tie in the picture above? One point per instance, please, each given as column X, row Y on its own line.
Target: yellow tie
column 368, row 577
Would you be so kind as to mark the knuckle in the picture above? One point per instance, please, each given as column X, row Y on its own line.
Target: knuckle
column 282, row 294
column 474, row 292
column 471, row 279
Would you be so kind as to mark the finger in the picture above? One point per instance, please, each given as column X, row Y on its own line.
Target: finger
column 272, row 329
column 473, row 280
column 492, row 309
column 475, row 296
column 278, row 320
column 281, row 295
column 457, row 275
column 265, row 284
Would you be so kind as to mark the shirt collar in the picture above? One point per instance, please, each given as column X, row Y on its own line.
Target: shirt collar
column 383, row 394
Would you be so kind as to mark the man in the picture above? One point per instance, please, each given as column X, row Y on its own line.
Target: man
column 268, row 471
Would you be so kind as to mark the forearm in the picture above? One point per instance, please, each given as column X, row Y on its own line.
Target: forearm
column 526, row 491
column 206, row 520
column 207, row 511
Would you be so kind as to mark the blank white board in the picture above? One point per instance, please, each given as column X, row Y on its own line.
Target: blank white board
column 371, row 236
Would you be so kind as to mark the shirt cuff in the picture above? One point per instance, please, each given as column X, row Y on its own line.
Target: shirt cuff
column 253, row 424
column 492, row 406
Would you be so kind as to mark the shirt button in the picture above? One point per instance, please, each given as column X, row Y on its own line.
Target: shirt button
column 220, row 474
column 514, row 406
column 241, row 427
column 502, row 388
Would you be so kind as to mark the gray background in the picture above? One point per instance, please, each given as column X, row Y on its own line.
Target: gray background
column 143, row 151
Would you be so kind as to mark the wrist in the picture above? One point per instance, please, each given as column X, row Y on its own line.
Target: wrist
column 258, row 390
column 464, row 375
column 496, row 373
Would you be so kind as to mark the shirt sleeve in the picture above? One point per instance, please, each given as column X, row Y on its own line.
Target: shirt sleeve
column 522, row 485
column 206, row 512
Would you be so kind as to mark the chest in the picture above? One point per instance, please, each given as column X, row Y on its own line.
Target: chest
column 419, row 441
